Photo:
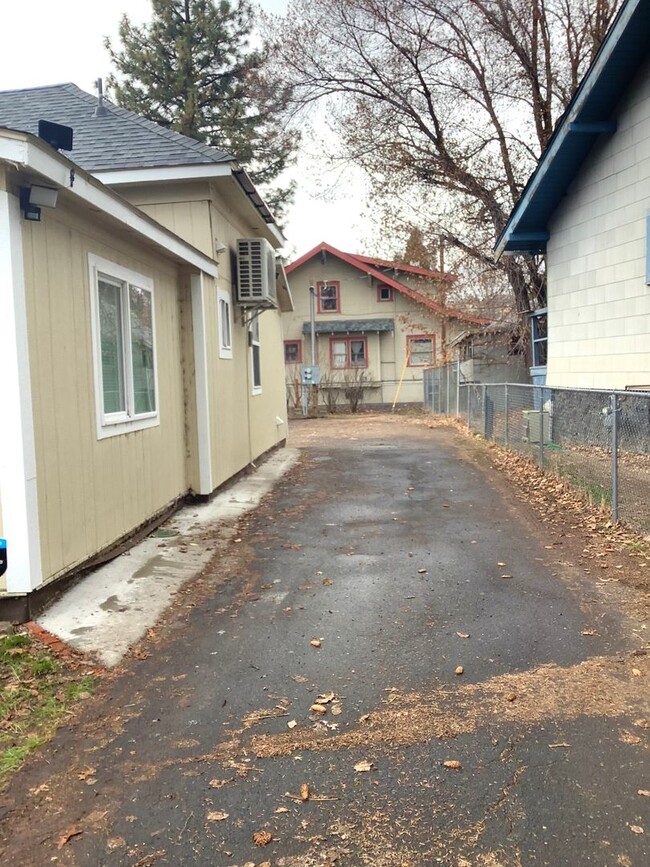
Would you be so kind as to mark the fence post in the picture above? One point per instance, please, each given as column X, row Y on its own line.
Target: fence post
column 447, row 368
column 469, row 405
column 541, row 428
column 485, row 412
column 505, row 409
column 458, row 387
column 614, row 412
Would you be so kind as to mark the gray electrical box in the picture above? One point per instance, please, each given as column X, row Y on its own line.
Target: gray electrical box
column 311, row 374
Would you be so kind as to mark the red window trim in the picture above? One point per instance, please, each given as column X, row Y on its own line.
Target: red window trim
column 297, row 343
column 381, row 300
column 319, row 286
column 431, row 337
column 347, row 338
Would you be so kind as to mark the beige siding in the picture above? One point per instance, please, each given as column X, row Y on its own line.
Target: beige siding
column 599, row 303
column 246, row 424
column 243, row 425
column 386, row 351
column 93, row 491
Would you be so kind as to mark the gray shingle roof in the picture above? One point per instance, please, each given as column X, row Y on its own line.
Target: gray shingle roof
column 118, row 140
column 350, row 326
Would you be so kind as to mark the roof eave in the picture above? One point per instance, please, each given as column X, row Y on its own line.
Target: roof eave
column 26, row 151
column 570, row 142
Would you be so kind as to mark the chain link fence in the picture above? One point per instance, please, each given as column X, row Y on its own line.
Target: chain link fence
column 599, row 441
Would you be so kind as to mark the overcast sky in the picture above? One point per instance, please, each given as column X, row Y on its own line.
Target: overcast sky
column 54, row 41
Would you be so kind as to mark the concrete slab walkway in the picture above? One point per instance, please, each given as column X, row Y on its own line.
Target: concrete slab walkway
column 110, row 609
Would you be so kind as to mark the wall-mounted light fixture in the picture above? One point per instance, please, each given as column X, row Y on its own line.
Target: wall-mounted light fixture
column 33, row 198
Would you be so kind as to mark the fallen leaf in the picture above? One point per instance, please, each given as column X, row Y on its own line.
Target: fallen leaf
column 644, row 792
column 115, row 842
column 642, row 723
column 628, row 738
column 636, row 672
column 299, row 678
column 325, row 698
column 315, row 642
column 422, row 571
column 283, row 810
column 262, row 838
column 68, row 834
column 562, row 746
column 636, row 829
column 217, row 784
column 87, row 772
column 453, row 764
column 588, row 632
column 364, row 717
column 327, row 581
column 463, row 634
column 502, row 564
column 506, row 576
column 363, row 766
column 216, row 816
column 38, row 789
column 337, row 708
column 459, row 670
column 512, row 696
column 318, row 708
column 292, row 724
column 304, row 792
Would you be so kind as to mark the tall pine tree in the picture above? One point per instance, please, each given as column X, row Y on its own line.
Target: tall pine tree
column 191, row 69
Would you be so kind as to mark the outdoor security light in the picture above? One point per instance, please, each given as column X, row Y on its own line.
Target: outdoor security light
column 33, row 198
column 44, row 197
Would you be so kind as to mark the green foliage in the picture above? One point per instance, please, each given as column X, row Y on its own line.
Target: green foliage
column 36, row 693
column 191, row 69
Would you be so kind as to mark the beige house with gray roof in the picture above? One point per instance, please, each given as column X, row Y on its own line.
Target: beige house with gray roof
column 136, row 369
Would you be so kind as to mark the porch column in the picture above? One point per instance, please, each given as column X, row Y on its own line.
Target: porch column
column 18, row 482
column 199, row 330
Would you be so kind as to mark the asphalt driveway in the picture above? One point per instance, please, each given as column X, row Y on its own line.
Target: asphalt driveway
column 391, row 663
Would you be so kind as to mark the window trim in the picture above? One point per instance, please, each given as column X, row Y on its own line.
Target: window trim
column 321, row 285
column 539, row 345
column 223, row 297
column 347, row 338
column 255, row 341
column 391, row 296
column 116, row 424
column 297, row 343
column 432, row 338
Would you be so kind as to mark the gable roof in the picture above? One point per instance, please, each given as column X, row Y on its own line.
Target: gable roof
column 116, row 139
column 362, row 264
column 589, row 115
column 407, row 269
column 39, row 163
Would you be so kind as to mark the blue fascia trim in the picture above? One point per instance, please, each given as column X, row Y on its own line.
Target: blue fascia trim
column 594, row 127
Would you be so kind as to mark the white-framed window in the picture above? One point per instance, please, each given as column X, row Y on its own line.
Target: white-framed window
column 124, row 348
column 256, row 366
column 224, row 323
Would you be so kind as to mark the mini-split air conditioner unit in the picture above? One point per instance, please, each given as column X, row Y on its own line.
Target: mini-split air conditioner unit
column 256, row 273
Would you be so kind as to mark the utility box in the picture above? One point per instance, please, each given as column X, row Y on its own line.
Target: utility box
column 533, row 420
column 311, row 374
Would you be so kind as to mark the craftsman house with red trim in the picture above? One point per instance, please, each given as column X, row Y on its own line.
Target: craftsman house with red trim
column 378, row 321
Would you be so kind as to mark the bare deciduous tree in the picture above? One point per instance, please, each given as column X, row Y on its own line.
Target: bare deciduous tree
column 447, row 104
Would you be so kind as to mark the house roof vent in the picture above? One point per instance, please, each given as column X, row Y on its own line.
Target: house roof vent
column 56, row 135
